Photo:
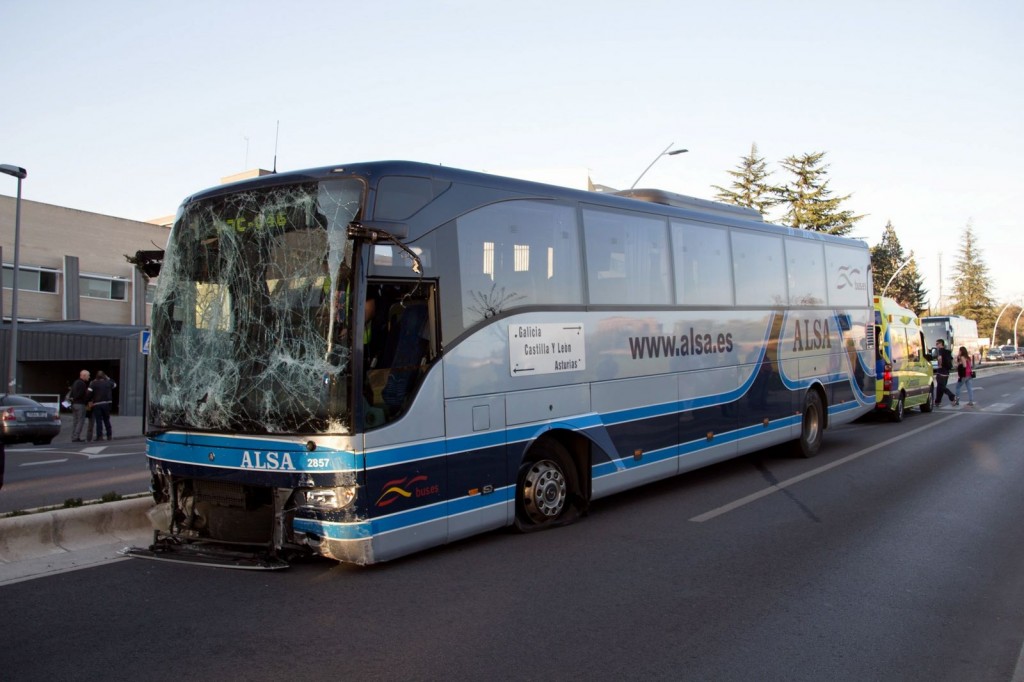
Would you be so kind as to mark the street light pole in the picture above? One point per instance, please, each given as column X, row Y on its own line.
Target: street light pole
column 666, row 152
column 12, row 365
column 905, row 264
column 1015, row 344
column 992, row 341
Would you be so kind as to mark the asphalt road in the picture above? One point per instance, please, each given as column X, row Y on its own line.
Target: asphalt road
column 896, row 554
column 47, row 475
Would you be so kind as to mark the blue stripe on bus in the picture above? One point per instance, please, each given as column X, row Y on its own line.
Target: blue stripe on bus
column 401, row 520
column 225, row 453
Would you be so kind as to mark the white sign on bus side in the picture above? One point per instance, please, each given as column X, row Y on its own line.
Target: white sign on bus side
column 546, row 348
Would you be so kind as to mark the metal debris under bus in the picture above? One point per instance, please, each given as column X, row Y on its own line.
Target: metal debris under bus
column 218, row 554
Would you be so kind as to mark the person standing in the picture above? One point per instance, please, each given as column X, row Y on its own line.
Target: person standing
column 945, row 365
column 79, row 396
column 965, row 374
column 102, row 398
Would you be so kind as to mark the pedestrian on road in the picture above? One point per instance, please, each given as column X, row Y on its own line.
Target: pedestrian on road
column 945, row 366
column 965, row 375
column 79, row 396
column 102, row 398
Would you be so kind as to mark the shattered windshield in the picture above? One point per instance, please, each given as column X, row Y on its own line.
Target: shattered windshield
column 250, row 319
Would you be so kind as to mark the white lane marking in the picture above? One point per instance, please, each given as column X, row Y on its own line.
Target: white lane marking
column 999, row 407
column 726, row 508
column 49, row 461
column 110, row 454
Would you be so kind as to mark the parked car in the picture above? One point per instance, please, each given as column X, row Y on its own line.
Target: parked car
column 995, row 354
column 1009, row 352
column 24, row 420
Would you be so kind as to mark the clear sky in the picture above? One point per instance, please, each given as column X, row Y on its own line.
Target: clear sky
column 126, row 107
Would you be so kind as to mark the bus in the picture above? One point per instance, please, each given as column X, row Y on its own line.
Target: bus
column 366, row 360
column 956, row 331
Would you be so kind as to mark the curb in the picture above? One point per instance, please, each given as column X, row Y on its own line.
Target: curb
column 69, row 530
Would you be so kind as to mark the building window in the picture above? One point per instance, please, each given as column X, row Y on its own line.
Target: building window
column 102, row 287
column 31, row 279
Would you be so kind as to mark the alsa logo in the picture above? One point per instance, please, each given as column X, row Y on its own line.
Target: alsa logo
column 273, row 461
column 847, row 276
column 811, row 335
column 406, row 488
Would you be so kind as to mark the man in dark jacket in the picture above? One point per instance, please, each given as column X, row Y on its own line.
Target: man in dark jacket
column 102, row 399
column 80, row 392
column 945, row 365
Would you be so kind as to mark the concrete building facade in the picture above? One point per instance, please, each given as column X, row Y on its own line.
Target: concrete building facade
column 81, row 304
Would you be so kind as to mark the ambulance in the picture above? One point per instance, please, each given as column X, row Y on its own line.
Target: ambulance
column 902, row 367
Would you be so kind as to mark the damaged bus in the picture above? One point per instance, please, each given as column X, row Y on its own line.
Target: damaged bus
column 366, row 360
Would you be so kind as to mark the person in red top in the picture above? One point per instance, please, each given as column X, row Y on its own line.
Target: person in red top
column 965, row 374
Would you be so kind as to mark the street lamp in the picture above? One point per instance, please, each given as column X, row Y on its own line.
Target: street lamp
column 905, row 264
column 664, row 153
column 12, row 372
column 992, row 341
column 1015, row 344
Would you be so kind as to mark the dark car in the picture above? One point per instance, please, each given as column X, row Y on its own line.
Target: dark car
column 26, row 421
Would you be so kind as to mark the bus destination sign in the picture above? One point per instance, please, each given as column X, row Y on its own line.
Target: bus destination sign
column 546, row 348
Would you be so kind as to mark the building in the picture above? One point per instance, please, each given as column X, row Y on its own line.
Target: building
column 81, row 303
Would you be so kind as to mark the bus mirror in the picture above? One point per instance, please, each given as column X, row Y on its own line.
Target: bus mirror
column 147, row 262
column 398, row 230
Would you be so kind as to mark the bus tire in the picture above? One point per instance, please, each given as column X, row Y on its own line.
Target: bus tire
column 898, row 409
column 812, row 425
column 930, row 402
column 546, row 488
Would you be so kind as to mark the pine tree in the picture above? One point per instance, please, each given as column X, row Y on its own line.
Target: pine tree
column 907, row 286
column 749, row 187
column 808, row 199
column 971, row 284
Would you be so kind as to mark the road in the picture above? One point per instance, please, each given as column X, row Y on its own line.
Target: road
column 45, row 475
column 896, row 554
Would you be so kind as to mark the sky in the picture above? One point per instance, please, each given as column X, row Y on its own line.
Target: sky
column 125, row 108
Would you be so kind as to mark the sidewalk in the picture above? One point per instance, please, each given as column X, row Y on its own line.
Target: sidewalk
column 121, row 427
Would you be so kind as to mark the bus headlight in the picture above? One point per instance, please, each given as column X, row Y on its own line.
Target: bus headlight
column 329, row 498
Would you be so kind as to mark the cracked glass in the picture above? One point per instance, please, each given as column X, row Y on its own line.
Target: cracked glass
column 250, row 320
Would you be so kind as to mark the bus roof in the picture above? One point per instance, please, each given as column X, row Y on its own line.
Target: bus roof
column 668, row 203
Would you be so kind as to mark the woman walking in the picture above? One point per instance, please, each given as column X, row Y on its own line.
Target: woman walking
column 965, row 375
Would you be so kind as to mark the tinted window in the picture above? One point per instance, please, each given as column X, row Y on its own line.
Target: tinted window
column 627, row 258
column 898, row 349
column 759, row 269
column 703, row 264
column 515, row 254
column 12, row 400
column 399, row 197
column 805, row 265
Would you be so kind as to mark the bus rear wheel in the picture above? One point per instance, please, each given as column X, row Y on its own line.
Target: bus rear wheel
column 545, row 488
column 812, row 425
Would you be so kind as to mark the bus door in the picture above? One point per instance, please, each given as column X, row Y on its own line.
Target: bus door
column 403, row 419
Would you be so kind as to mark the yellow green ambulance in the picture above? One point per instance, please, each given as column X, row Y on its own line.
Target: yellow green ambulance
column 903, row 370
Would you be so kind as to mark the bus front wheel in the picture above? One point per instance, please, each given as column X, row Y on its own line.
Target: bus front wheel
column 545, row 488
column 812, row 425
